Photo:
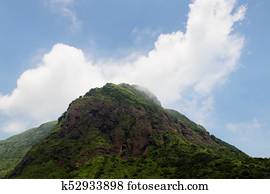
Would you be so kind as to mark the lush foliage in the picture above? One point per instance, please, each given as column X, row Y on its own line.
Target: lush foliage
column 121, row 131
column 13, row 149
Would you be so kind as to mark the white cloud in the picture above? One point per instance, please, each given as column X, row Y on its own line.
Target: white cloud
column 182, row 63
column 45, row 90
column 64, row 8
column 250, row 136
column 13, row 127
column 244, row 127
column 199, row 108
column 142, row 36
column 246, row 131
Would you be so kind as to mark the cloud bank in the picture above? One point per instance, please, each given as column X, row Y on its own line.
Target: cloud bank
column 184, row 67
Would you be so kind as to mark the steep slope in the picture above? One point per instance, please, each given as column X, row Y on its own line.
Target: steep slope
column 121, row 131
column 13, row 149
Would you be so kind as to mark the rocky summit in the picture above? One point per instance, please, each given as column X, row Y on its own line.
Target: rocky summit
column 122, row 131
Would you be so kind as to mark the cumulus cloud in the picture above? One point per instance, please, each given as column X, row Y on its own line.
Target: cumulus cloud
column 195, row 62
column 43, row 91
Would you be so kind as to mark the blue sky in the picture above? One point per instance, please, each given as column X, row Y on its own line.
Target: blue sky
column 115, row 30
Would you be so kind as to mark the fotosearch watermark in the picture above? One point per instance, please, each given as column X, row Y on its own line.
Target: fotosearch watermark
column 131, row 185
column 178, row 186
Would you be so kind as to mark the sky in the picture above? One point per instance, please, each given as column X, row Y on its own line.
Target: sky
column 204, row 58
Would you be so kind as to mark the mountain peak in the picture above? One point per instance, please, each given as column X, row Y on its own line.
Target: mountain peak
column 125, row 93
column 122, row 131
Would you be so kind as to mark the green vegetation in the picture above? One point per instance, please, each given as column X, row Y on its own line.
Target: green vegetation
column 13, row 149
column 183, row 119
column 121, row 131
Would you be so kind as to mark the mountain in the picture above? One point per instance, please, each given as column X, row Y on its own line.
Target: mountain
column 122, row 131
column 13, row 149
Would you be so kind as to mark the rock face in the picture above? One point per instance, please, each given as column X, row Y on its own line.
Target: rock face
column 122, row 131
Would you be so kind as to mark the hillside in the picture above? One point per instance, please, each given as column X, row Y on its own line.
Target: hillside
column 122, row 131
column 13, row 149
